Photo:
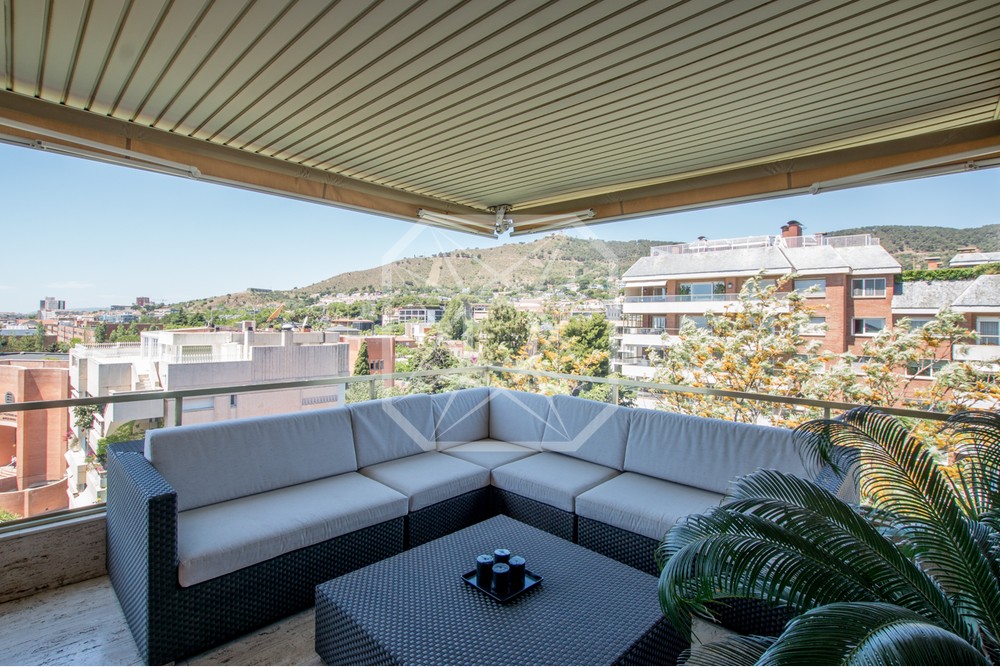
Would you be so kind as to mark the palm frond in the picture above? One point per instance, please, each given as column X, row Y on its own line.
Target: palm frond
column 868, row 634
column 900, row 475
column 788, row 541
column 733, row 650
column 975, row 436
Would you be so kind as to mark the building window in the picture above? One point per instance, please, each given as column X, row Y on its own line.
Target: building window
column 659, row 322
column 811, row 286
column 924, row 368
column 232, row 400
column 868, row 326
column 700, row 321
column 988, row 330
column 198, row 403
column 868, row 287
column 816, row 327
column 9, row 398
column 919, row 322
column 700, row 291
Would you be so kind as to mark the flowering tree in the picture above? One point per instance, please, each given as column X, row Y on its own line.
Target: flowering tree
column 891, row 363
column 754, row 345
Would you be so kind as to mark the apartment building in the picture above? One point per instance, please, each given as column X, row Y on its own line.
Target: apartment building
column 978, row 300
column 178, row 360
column 413, row 313
column 847, row 281
column 33, row 444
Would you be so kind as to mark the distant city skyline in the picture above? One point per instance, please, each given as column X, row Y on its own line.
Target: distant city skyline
column 94, row 234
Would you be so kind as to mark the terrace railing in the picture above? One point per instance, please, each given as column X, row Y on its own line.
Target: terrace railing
column 369, row 387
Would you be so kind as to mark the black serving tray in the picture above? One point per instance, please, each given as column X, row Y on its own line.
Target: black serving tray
column 530, row 581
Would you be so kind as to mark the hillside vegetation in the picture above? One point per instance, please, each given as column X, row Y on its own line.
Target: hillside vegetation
column 553, row 260
column 911, row 244
column 523, row 268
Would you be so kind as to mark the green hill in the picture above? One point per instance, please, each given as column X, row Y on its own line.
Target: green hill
column 911, row 244
column 551, row 261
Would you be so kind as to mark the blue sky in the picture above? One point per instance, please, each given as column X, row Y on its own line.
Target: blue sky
column 94, row 234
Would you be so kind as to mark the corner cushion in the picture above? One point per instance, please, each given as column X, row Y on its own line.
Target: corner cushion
column 588, row 430
column 429, row 478
column 461, row 416
column 551, row 478
column 643, row 505
column 391, row 428
column 217, row 539
column 518, row 417
column 489, row 453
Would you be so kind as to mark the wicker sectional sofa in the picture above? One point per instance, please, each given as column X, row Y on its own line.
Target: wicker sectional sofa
column 217, row 529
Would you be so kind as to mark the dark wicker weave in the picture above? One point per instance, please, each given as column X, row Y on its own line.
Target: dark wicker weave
column 448, row 516
column 170, row 622
column 414, row 608
column 551, row 520
column 624, row 546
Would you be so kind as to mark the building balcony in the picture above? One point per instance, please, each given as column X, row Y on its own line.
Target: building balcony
column 66, row 557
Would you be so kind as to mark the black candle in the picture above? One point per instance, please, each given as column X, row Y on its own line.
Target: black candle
column 501, row 579
column 516, row 564
column 484, row 571
column 501, row 555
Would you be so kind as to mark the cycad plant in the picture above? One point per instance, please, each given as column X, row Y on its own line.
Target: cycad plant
column 911, row 576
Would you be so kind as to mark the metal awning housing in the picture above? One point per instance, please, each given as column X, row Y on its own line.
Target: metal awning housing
column 459, row 107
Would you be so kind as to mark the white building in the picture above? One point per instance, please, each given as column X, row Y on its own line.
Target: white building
column 180, row 360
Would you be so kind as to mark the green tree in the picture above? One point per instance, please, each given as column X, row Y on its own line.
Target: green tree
column 362, row 363
column 434, row 355
column 504, row 334
column 101, row 332
column 456, row 318
column 910, row 577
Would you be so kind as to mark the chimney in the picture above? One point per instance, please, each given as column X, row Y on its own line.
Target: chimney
column 933, row 262
column 793, row 229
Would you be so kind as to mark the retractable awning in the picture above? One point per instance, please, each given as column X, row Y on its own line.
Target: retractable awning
column 560, row 112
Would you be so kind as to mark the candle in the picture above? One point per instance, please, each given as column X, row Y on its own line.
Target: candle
column 501, row 579
column 484, row 571
column 501, row 555
column 516, row 564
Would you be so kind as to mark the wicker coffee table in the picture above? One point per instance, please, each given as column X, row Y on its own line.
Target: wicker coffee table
column 414, row 608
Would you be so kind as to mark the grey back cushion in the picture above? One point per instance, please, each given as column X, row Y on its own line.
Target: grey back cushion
column 706, row 453
column 588, row 430
column 212, row 463
column 461, row 416
column 518, row 417
column 392, row 428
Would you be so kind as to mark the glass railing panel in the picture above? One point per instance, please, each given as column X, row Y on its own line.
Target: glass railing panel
column 52, row 453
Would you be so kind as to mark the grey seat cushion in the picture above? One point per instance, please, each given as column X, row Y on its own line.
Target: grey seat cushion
column 429, row 478
column 213, row 463
column 588, row 430
column 490, row 453
column 518, row 417
column 643, row 505
column 706, row 453
column 392, row 428
column 218, row 539
column 551, row 478
column 461, row 416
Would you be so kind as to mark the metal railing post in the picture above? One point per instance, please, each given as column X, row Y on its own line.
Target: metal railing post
column 372, row 391
column 178, row 410
column 614, row 394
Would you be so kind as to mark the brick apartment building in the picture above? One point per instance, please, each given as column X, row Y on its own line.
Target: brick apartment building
column 847, row 281
column 36, row 440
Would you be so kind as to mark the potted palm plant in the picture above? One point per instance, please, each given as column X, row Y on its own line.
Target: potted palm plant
column 910, row 576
